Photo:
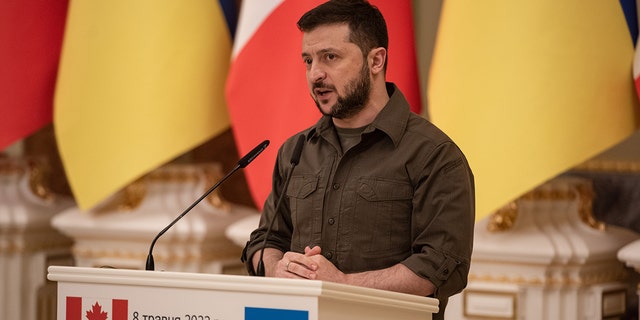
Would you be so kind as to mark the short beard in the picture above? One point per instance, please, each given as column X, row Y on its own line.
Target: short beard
column 357, row 94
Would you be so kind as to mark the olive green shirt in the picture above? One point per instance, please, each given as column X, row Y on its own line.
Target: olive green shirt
column 403, row 194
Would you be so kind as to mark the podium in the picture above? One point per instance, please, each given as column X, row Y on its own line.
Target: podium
column 119, row 294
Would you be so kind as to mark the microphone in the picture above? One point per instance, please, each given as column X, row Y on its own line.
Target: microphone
column 295, row 159
column 241, row 164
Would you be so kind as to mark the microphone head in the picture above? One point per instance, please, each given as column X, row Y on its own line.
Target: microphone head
column 297, row 151
column 253, row 154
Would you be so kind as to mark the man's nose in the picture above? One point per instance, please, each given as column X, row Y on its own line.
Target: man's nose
column 316, row 73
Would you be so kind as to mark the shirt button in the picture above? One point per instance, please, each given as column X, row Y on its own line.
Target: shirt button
column 331, row 221
column 336, row 186
column 328, row 255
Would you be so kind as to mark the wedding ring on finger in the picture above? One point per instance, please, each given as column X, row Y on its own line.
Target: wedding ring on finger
column 286, row 267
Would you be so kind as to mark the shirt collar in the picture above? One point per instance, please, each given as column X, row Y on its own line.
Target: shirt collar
column 392, row 119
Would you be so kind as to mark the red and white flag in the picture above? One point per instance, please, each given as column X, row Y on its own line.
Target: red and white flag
column 84, row 308
column 266, row 89
column 31, row 35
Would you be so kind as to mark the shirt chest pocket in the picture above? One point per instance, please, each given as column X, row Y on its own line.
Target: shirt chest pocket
column 382, row 218
column 304, row 201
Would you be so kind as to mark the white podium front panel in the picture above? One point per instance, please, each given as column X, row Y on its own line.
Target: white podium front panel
column 112, row 294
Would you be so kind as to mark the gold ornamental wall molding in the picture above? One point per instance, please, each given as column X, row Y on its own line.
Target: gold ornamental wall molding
column 505, row 218
column 132, row 196
column 36, row 170
column 570, row 279
column 609, row 166
column 162, row 256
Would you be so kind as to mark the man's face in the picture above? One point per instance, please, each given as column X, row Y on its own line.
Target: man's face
column 337, row 75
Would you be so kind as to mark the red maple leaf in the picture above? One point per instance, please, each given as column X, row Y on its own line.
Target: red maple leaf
column 96, row 313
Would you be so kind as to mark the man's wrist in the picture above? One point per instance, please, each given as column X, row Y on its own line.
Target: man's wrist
column 270, row 258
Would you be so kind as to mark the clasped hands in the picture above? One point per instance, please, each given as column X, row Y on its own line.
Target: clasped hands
column 310, row 265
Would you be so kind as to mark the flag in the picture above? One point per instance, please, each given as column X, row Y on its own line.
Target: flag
column 140, row 83
column 30, row 40
column 630, row 9
column 251, row 313
column 631, row 13
column 636, row 71
column 529, row 89
column 79, row 308
column 266, row 90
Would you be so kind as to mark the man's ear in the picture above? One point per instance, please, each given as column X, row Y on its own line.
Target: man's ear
column 377, row 58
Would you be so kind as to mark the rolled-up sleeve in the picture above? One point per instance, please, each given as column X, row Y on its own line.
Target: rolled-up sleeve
column 443, row 221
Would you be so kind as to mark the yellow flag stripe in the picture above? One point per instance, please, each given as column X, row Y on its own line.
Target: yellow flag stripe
column 529, row 89
column 140, row 83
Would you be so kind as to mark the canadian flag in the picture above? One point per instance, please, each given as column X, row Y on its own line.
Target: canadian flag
column 79, row 308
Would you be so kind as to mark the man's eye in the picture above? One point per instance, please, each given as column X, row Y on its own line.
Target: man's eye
column 331, row 56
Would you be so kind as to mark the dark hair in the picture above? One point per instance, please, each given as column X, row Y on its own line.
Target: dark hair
column 366, row 23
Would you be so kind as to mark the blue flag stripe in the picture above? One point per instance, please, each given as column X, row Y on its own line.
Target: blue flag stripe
column 274, row 314
column 629, row 7
column 230, row 11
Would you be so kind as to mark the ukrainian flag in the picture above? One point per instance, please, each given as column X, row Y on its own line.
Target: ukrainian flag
column 140, row 82
column 529, row 89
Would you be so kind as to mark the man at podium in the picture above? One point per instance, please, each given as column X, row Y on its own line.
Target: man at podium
column 379, row 197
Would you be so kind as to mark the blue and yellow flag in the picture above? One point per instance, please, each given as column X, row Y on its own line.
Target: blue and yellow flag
column 140, row 82
column 529, row 89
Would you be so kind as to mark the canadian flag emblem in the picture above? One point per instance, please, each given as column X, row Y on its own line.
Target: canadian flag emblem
column 79, row 308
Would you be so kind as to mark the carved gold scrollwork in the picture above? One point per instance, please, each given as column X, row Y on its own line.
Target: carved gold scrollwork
column 38, row 174
column 586, row 208
column 36, row 170
column 504, row 218
column 132, row 195
column 212, row 175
